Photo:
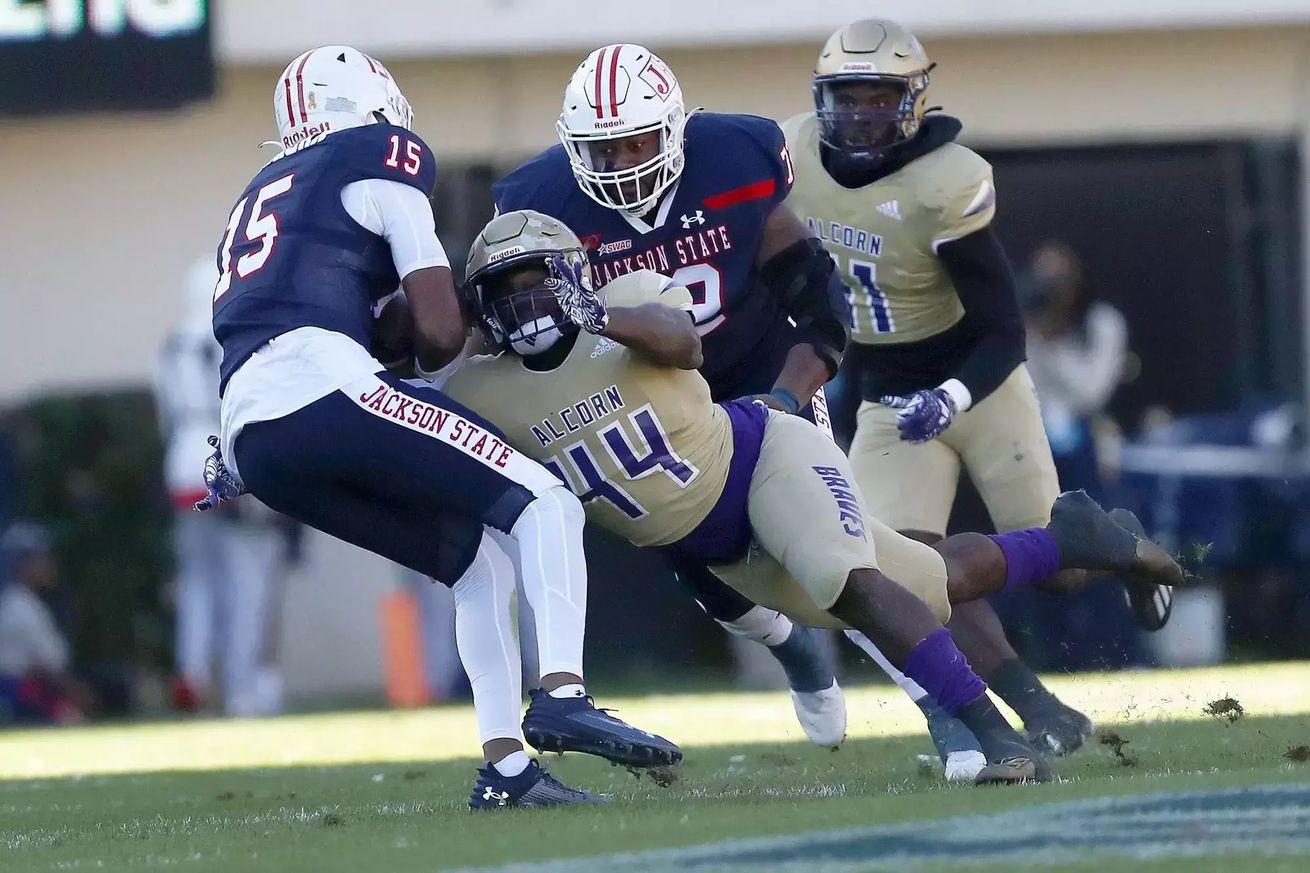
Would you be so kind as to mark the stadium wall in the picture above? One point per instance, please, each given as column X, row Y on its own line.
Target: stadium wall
column 103, row 213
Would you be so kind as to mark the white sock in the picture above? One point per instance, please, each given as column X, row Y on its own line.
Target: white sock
column 762, row 625
column 571, row 690
column 488, row 647
column 908, row 685
column 513, row 764
column 554, row 573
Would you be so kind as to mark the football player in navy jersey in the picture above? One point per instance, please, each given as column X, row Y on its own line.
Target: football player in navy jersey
column 697, row 196
column 314, row 427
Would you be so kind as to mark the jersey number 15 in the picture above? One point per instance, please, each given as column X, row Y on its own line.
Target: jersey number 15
column 261, row 228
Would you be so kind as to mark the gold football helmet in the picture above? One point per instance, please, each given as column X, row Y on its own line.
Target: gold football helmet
column 526, row 317
column 869, row 87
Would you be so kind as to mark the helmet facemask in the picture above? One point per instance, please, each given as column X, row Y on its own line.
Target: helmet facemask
column 515, row 306
column 635, row 190
column 855, row 118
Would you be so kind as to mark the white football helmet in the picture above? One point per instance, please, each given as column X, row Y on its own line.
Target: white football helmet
column 335, row 88
column 619, row 91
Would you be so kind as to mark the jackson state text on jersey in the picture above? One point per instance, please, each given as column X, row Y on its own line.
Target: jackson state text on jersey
column 706, row 232
column 293, row 257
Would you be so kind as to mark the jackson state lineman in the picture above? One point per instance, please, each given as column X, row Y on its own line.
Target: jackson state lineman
column 601, row 387
column 314, row 428
column 697, row 197
column 938, row 341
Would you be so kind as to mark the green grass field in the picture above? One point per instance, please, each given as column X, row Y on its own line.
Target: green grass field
column 385, row 791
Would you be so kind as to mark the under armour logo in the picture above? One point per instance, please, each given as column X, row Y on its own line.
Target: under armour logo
column 501, row 797
column 698, row 217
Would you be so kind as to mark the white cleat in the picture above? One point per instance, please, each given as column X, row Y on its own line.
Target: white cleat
column 964, row 766
column 822, row 714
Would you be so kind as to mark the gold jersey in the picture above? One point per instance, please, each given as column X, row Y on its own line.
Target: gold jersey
column 885, row 235
column 642, row 445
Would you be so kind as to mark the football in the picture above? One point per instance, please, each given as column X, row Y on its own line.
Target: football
column 393, row 331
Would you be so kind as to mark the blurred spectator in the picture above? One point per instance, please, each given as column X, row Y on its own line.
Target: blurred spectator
column 1077, row 351
column 227, row 560
column 35, row 683
column 8, row 482
column 1077, row 348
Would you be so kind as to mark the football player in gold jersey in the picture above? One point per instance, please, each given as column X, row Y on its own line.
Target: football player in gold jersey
column 602, row 388
column 938, row 344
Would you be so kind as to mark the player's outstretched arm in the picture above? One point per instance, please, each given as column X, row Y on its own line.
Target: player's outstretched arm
column 795, row 267
column 439, row 329
column 661, row 334
column 402, row 215
column 984, row 281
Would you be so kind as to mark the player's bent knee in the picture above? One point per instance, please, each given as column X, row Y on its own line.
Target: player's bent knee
column 827, row 576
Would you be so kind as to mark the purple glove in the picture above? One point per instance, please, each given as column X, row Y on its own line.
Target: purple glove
column 219, row 480
column 923, row 415
column 580, row 304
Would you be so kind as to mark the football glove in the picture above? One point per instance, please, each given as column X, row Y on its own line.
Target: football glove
column 923, row 415
column 219, row 481
column 580, row 304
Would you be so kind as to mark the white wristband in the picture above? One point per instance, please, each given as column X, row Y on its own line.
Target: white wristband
column 959, row 393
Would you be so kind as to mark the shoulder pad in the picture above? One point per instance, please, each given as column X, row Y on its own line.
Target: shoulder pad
column 949, row 172
column 540, row 181
column 797, row 128
column 383, row 151
column 751, row 149
column 634, row 289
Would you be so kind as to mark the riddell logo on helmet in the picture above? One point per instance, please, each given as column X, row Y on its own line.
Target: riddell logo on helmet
column 616, row 122
column 505, row 253
column 860, row 68
column 305, row 133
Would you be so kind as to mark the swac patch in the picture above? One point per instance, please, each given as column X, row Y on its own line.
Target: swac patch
column 1265, row 821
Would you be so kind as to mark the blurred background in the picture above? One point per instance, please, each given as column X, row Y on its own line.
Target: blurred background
column 1149, row 159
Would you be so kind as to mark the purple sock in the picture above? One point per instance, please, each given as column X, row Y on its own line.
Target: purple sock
column 941, row 669
column 1031, row 555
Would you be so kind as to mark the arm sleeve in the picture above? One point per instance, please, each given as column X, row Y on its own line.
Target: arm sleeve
column 401, row 215
column 981, row 273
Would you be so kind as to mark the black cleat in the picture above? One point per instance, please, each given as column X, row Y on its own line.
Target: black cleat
column 1010, row 758
column 532, row 788
column 1151, row 602
column 961, row 755
column 1060, row 732
column 574, row 724
column 1089, row 539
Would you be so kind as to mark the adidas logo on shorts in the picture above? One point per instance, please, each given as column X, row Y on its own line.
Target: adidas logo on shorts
column 891, row 209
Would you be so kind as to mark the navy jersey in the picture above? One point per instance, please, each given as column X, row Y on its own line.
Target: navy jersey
column 293, row 257
column 706, row 234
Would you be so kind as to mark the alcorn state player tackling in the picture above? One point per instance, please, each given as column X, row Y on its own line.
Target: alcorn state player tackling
column 938, row 342
column 697, row 197
column 617, row 410
column 313, row 426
